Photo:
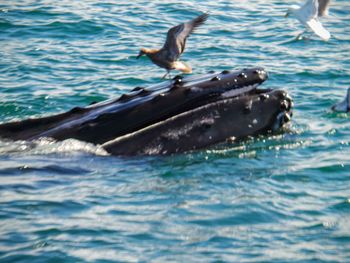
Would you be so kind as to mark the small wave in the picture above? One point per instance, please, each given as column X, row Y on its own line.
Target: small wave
column 79, row 27
column 343, row 206
column 249, row 148
column 341, row 115
column 54, row 169
column 55, row 28
column 5, row 24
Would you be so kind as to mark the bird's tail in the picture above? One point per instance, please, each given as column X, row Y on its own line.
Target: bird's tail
column 182, row 66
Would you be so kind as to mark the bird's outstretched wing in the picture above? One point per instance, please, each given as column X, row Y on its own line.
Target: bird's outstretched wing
column 318, row 29
column 308, row 11
column 323, row 6
column 176, row 38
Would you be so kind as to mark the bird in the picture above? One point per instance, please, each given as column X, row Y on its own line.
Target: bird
column 323, row 7
column 308, row 15
column 167, row 57
column 343, row 106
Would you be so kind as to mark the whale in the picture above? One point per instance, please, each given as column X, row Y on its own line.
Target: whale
column 178, row 115
column 344, row 105
column 228, row 119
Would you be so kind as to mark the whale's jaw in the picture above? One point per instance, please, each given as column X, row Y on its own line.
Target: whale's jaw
column 172, row 105
column 235, row 117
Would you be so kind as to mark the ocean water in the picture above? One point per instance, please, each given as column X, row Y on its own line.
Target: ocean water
column 282, row 198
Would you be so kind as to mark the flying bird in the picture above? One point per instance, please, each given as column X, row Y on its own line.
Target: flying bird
column 167, row 57
column 308, row 15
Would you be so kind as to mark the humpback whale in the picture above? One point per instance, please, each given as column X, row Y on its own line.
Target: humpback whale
column 177, row 115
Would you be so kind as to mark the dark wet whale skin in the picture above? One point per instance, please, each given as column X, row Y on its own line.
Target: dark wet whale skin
column 107, row 120
column 239, row 117
column 104, row 122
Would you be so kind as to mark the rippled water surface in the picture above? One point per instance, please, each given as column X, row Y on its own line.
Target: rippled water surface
column 284, row 198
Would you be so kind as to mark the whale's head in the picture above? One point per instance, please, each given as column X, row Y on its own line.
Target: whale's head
column 178, row 115
column 207, row 110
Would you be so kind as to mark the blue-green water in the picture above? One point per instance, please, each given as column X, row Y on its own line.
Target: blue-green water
column 277, row 199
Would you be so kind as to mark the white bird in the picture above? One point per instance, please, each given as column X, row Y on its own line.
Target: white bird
column 308, row 15
column 343, row 106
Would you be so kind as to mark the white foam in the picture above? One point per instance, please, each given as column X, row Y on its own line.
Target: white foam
column 50, row 146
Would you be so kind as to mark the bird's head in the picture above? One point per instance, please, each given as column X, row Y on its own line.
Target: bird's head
column 291, row 10
column 142, row 52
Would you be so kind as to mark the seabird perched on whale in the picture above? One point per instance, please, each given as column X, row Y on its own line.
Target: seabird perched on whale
column 167, row 57
column 308, row 15
column 323, row 6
